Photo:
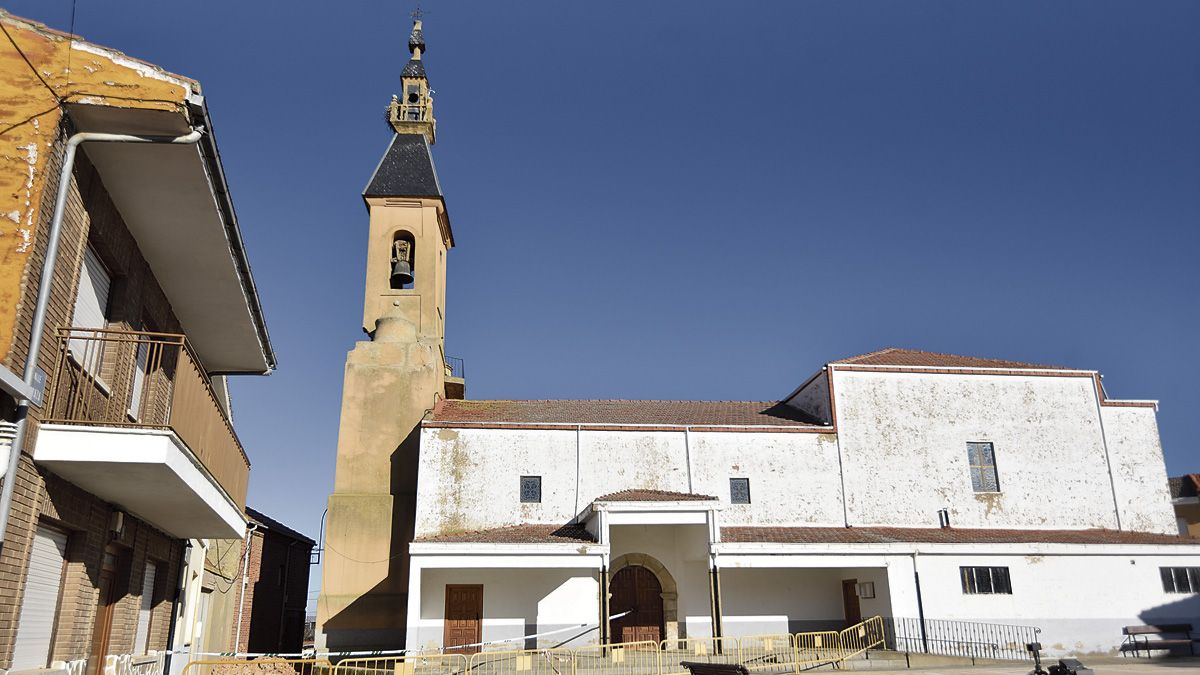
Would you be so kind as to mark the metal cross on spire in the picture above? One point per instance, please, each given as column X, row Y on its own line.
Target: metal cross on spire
column 417, row 13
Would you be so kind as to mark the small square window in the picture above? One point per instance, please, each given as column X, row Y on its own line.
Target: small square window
column 739, row 490
column 531, row 489
column 985, row 580
column 981, row 457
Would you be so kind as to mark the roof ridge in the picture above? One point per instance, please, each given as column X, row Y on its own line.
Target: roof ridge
column 603, row 400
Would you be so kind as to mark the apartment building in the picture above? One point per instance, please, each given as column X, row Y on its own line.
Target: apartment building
column 126, row 300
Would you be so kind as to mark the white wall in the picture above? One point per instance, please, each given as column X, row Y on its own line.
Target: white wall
column 516, row 602
column 766, row 601
column 1080, row 602
column 1139, row 475
column 469, row 478
column 904, row 449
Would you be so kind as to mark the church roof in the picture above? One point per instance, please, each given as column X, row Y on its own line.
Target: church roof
column 620, row 413
column 414, row 68
column 938, row 535
column 406, row 170
column 893, row 356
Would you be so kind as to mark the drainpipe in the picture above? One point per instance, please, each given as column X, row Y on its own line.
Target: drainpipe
column 44, row 288
column 184, row 555
column 237, row 636
column 920, row 605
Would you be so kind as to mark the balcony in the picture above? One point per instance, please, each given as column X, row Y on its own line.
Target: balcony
column 133, row 418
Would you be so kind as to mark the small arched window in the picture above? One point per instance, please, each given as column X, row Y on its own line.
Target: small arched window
column 403, row 254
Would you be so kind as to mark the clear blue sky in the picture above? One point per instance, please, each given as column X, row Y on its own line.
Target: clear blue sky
column 709, row 200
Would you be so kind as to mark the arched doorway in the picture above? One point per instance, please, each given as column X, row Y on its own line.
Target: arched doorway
column 636, row 590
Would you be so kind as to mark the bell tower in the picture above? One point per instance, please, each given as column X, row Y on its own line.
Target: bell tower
column 391, row 380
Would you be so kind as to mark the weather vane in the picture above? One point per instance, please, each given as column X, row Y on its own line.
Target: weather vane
column 417, row 13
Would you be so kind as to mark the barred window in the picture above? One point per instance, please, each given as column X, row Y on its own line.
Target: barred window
column 982, row 459
column 531, row 489
column 985, row 580
column 1180, row 579
column 739, row 490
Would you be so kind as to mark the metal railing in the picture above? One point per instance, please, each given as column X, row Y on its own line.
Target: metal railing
column 146, row 380
column 455, row 368
column 971, row 639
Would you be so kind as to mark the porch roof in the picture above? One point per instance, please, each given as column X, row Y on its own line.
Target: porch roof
column 950, row 535
column 525, row 533
column 639, row 495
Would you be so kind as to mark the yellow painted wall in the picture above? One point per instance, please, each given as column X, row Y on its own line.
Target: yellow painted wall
column 34, row 81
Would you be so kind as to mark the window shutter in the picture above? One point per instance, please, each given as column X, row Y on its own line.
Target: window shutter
column 39, row 607
column 142, row 638
column 91, row 307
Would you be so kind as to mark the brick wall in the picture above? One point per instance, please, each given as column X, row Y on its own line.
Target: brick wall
column 240, row 638
column 90, row 219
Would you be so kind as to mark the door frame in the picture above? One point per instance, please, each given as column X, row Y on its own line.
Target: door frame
column 446, row 621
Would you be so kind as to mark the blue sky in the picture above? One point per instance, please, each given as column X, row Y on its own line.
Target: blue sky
column 709, row 200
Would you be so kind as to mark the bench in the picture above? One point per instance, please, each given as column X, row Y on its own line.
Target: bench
column 1137, row 638
column 715, row 668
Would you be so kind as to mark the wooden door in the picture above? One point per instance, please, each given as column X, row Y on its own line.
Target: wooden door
column 850, row 601
column 464, row 618
column 637, row 591
column 102, row 627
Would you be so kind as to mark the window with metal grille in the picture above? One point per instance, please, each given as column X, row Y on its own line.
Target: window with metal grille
column 982, row 459
column 985, row 580
column 1180, row 579
column 739, row 490
column 531, row 489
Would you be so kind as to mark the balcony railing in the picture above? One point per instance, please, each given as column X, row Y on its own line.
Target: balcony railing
column 151, row 381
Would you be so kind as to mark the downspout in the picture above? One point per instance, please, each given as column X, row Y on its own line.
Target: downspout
column 920, row 605
column 237, row 636
column 578, row 464
column 1112, row 482
column 179, row 588
column 44, row 288
column 687, row 455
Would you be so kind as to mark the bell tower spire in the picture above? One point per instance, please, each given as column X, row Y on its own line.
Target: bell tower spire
column 412, row 111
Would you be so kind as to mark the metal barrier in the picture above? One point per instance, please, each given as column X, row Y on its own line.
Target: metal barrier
column 702, row 650
column 410, row 664
column 767, row 652
column 860, row 637
column 817, row 648
column 971, row 639
column 259, row 666
column 770, row 653
column 626, row 658
column 523, row 661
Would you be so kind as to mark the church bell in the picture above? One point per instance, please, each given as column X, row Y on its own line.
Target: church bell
column 401, row 274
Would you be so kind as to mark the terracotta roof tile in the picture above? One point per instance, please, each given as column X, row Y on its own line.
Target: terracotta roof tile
column 665, row 413
column 952, row 535
column 654, row 496
column 526, row 533
column 893, row 356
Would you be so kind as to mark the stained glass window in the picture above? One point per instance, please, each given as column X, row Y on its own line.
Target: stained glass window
column 982, row 459
column 531, row 489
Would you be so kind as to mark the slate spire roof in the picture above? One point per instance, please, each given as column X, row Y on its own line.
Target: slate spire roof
column 406, row 170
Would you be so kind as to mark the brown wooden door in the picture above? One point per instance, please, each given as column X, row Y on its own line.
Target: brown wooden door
column 636, row 590
column 464, row 618
column 850, row 601
column 102, row 628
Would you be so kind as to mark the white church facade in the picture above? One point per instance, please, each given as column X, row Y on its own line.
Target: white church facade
column 899, row 484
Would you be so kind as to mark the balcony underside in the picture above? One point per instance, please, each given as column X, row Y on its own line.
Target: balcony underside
column 150, row 473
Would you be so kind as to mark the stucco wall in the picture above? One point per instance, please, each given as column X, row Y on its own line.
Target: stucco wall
column 1079, row 601
column 813, row 398
column 904, row 448
column 771, row 601
column 469, row 478
column 516, row 602
column 683, row 550
column 1139, row 475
